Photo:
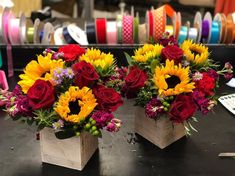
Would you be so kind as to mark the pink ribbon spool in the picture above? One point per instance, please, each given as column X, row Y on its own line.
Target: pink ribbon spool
column 111, row 32
column 14, row 30
column 5, row 20
column 127, row 29
column 5, row 23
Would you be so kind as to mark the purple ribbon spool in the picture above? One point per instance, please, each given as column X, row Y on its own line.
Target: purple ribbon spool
column 205, row 30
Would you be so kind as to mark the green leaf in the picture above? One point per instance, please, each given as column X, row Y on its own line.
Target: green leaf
column 128, row 59
column 192, row 127
column 153, row 65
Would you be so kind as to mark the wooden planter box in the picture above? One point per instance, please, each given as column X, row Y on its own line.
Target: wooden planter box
column 161, row 132
column 72, row 153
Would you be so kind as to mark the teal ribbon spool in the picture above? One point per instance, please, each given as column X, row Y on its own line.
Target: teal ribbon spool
column 183, row 34
column 215, row 32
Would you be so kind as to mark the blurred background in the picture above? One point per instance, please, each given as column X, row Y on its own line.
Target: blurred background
column 88, row 9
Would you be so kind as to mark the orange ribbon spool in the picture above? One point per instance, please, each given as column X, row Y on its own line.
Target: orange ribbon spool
column 230, row 29
column 223, row 28
column 159, row 20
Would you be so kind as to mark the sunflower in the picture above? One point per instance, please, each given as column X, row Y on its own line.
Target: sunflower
column 172, row 79
column 98, row 59
column 196, row 53
column 41, row 69
column 146, row 52
column 75, row 104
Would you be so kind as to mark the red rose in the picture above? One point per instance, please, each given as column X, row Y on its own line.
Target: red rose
column 41, row 95
column 108, row 99
column 71, row 52
column 206, row 84
column 172, row 52
column 85, row 74
column 182, row 108
column 134, row 81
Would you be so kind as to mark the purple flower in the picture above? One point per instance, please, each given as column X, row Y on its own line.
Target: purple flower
column 58, row 125
column 102, row 118
column 154, row 108
column 114, row 125
column 22, row 105
column 201, row 101
column 57, row 55
column 16, row 103
column 227, row 65
column 60, row 74
column 228, row 76
column 212, row 73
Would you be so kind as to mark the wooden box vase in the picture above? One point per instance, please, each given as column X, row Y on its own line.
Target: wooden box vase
column 72, row 152
column 161, row 132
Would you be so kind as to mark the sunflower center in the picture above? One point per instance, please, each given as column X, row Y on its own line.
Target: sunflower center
column 43, row 75
column 74, row 107
column 194, row 51
column 172, row 81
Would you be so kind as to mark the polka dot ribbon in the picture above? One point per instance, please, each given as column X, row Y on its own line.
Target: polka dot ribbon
column 127, row 29
column 159, row 24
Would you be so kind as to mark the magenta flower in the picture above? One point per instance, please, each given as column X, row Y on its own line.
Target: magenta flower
column 228, row 76
column 114, row 125
column 154, row 108
column 102, row 118
column 212, row 73
column 201, row 101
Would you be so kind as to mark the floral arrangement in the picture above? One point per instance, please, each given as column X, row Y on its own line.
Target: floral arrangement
column 71, row 90
column 174, row 80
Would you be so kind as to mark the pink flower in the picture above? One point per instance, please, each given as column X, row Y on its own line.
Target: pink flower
column 102, row 118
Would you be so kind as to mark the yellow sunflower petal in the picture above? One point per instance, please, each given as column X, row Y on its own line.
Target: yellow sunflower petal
column 86, row 102
column 43, row 69
column 163, row 73
column 196, row 53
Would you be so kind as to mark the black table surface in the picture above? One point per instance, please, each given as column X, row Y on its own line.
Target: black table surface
column 126, row 153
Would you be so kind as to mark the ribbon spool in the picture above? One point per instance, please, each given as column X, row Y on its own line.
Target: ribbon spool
column 13, row 30
column 176, row 20
column 6, row 15
column 111, row 32
column 221, row 20
column 127, row 29
column 29, row 31
column 159, row 22
column 73, row 35
column 183, row 34
column 230, row 29
column 136, row 29
column 206, row 28
column 119, row 28
column 48, row 31
column 192, row 34
column 37, row 31
column 23, row 39
column 100, row 26
column 149, row 25
column 142, row 34
column 5, row 22
column 198, row 24
column 1, row 32
column 90, row 31
column 215, row 32
column 58, row 37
